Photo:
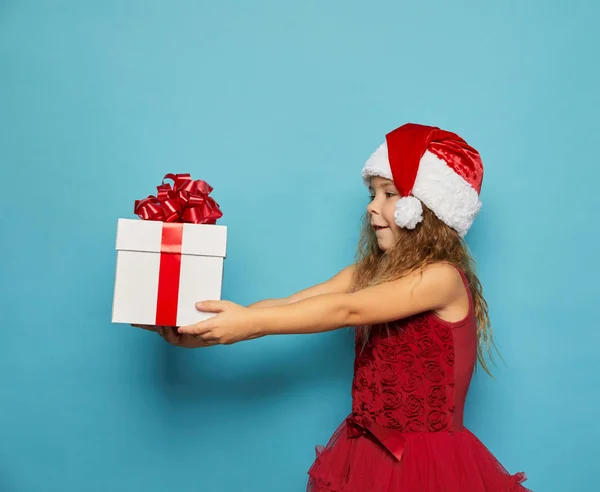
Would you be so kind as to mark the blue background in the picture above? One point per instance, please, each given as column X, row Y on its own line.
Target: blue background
column 277, row 105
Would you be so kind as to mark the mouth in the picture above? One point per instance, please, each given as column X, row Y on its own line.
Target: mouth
column 378, row 227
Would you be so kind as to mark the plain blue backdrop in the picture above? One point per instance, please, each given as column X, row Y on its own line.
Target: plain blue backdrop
column 277, row 104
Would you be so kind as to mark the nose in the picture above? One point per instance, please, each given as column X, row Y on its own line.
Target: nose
column 373, row 207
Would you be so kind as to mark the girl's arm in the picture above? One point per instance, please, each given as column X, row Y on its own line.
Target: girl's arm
column 434, row 288
column 429, row 290
column 339, row 283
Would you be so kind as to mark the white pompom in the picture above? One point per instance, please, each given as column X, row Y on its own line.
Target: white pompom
column 409, row 212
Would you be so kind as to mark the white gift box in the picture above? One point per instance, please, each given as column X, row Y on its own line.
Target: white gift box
column 163, row 269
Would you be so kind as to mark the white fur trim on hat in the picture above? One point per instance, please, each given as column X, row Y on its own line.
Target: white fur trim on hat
column 377, row 165
column 409, row 212
column 446, row 193
column 452, row 199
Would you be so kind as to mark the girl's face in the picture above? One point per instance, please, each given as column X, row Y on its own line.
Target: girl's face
column 384, row 196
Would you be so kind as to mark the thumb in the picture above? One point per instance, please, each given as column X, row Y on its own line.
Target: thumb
column 212, row 306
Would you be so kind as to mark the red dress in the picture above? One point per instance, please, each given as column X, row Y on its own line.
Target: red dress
column 405, row 432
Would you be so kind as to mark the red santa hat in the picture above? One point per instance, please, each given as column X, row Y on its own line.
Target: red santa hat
column 431, row 166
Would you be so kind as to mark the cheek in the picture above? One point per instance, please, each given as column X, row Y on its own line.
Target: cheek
column 388, row 211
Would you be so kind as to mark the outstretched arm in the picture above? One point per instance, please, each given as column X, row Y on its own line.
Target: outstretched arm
column 339, row 283
column 432, row 288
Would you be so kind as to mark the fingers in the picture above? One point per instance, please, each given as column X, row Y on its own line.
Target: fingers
column 170, row 335
column 205, row 331
column 199, row 334
column 145, row 327
column 198, row 329
column 213, row 306
column 209, row 339
column 191, row 341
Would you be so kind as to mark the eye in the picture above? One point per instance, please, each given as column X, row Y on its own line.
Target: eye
column 371, row 198
column 390, row 194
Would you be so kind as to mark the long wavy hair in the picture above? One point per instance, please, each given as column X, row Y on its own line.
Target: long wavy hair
column 430, row 242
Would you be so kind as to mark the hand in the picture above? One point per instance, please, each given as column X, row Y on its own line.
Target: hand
column 233, row 323
column 170, row 335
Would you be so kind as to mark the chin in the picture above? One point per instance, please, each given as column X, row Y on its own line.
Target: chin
column 383, row 245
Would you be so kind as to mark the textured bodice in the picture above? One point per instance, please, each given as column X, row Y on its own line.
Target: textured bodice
column 413, row 376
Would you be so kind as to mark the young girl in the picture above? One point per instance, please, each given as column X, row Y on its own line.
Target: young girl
column 421, row 323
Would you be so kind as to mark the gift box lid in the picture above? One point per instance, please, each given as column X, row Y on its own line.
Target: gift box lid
column 146, row 235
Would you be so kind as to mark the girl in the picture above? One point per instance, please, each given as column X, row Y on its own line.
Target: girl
column 421, row 323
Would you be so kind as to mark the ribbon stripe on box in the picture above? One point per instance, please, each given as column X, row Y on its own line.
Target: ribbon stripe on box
column 186, row 201
column 168, row 274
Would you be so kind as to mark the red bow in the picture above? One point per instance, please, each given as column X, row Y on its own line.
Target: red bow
column 186, row 201
column 391, row 439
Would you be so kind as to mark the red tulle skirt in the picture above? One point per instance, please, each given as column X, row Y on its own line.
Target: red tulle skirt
column 431, row 462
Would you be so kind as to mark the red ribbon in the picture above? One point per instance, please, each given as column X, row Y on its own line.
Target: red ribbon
column 391, row 439
column 184, row 201
column 168, row 274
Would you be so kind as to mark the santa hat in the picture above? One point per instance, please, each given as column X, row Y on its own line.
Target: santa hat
column 431, row 166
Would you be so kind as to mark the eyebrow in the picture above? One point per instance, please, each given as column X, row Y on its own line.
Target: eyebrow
column 385, row 185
